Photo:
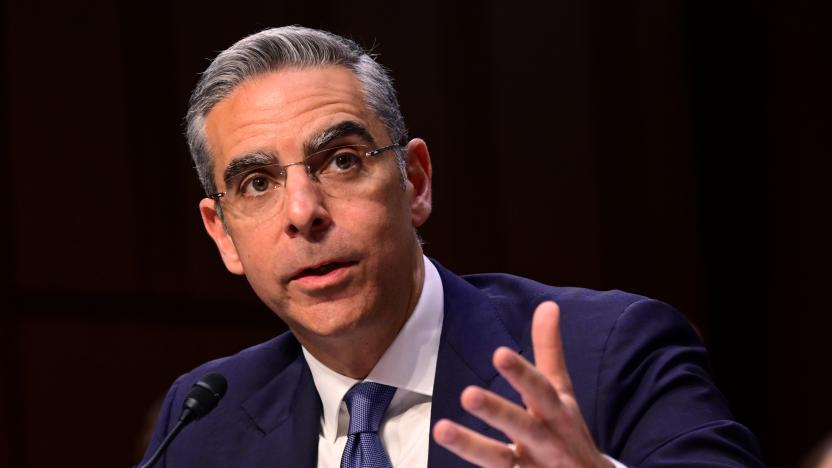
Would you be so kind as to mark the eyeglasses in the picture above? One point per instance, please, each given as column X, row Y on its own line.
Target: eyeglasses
column 340, row 171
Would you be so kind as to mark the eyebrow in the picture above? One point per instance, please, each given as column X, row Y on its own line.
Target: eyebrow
column 325, row 137
column 245, row 163
column 317, row 142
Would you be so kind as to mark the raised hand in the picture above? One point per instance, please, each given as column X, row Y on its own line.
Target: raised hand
column 549, row 432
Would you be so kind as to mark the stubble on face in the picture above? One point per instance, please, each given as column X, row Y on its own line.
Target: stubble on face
column 372, row 235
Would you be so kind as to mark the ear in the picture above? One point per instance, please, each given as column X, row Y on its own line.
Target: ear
column 216, row 229
column 419, row 174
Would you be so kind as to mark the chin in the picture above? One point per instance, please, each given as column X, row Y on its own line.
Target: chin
column 329, row 319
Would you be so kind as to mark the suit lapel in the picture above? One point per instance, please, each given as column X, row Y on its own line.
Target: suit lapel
column 471, row 331
column 286, row 412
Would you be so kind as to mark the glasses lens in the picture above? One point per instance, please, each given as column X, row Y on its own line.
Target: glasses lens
column 340, row 171
column 337, row 167
column 250, row 192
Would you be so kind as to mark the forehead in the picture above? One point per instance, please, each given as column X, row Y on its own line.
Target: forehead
column 277, row 111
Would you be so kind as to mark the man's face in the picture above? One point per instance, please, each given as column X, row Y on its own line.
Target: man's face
column 328, row 266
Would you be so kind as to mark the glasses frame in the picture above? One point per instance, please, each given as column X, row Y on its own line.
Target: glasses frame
column 369, row 154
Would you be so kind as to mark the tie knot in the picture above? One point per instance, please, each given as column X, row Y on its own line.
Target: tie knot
column 367, row 403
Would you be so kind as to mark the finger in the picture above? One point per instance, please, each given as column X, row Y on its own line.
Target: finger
column 502, row 414
column 472, row 446
column 537, row 391
column 548, row 347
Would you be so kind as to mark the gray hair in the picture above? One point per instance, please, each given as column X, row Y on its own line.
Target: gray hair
column 287, row 47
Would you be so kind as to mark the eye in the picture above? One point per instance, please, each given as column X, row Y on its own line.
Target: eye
column 345, row 161
column 256, row 185
column 342, row 160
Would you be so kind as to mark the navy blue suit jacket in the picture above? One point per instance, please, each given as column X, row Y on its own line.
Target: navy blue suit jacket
column 638, row 369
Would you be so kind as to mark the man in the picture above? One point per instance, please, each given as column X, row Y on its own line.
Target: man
column 315, row 195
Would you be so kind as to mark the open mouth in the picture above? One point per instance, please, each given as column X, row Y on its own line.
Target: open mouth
column 322, row 270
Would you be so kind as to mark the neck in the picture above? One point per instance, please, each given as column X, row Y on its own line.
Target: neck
column 354, row 354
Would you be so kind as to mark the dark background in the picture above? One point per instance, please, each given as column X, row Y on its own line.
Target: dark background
column 678, row 149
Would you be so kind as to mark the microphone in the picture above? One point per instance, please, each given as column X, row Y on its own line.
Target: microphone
column 203, row 397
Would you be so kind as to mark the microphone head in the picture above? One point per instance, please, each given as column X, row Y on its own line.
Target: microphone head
column 204, row 396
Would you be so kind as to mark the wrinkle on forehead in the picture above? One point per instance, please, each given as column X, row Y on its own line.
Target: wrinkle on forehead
column 283, row 107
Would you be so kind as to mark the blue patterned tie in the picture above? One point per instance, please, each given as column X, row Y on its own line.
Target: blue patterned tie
column 366, row 403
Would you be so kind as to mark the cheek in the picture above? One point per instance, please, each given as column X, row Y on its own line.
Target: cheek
column 258, row 250
column 261, row 275
column 383, row 223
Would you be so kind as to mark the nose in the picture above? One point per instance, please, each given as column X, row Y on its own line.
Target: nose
column 306, row 216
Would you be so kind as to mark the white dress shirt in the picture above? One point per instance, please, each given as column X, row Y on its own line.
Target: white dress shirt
column 409, row 364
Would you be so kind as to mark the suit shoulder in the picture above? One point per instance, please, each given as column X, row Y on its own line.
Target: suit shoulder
column 588, row 317
column 250, row 367
column 511, row 289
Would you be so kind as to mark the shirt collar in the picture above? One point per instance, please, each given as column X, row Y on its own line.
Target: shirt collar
column 408, row 363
